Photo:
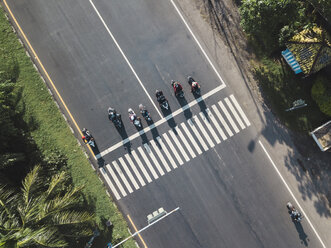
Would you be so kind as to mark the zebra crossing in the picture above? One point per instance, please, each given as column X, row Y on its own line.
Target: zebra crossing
column 158, row 157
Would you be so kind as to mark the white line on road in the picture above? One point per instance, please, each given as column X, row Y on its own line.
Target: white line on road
column 149, row 165
column 173, row 149
column 291, row 193
column 141, row 166
column 113, row 175
column 124, row 56
column 228, row 116
column 180, row 148
column 203, row 130
column 220, row 117
column 240, row 110
column 197, row 134
column 121, row 174
column 210, row 128
column 158, row 152
column 213, row 119
column 141, row 180
column 187, row 145
column 196, row 146
column 234, row 112
column 110, row 184
column 149, row 151
column 165, row 149
column 128, row 172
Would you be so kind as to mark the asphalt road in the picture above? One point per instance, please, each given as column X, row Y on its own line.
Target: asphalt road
column 228, row 193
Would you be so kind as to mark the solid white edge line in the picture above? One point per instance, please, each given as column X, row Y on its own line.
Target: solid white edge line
column 196, row 40
column 124, row 56
column 291, row 193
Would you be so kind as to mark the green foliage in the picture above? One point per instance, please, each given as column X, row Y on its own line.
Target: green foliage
column 321, row 93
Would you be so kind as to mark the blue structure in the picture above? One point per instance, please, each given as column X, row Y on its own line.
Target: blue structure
column 288, row 56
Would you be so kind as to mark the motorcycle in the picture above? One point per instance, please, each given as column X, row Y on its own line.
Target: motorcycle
column 178, row 89
column 133, row 118
column 145, row 113
column 295, row 214
column 195, row 87
column 115, row 117
column 88, row 138
column 163, row 102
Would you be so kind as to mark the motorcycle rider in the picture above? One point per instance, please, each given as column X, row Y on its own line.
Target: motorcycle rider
column 87, row 137
column 112, row 114
column 177, row 87
column 159, row 96
column 144, row 111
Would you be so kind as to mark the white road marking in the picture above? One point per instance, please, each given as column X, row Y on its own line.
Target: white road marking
column 220, row 117
column 136, row 172
column 180, row 148
column 240, row 110
column 291, row 193
column 196, row 40
column 141, row 166
column 149, row 165
column 228, row 116
column 210, row 128
column 158, row 152
column 165, row 149
column 234, row 112
column 213, row 119
column 121, row 174
column 197, row 134
column 149, row 151
column 204, row 132
column 110, row 184
column 128, row 172
column 173, row 149
column 159, row 122
column 187, row 145
column 117, row 182
column 124, row 56
column 196, row 146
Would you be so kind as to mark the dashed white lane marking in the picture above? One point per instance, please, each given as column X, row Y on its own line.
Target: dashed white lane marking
column 159, row 122
column 210, row 128
column 117, row 182
column 197, row 134
column 173, row 149
column 142, row 168
column 196, row 146
column 228, row 116
column 134, row 168
column 173, row 136
column 234, row 112
column 165, row 149
column 218, row 128
column 158, row 152
column 128, row 172
column 149, row 165
column 120, row 173
column 203, row 130
column 124, row 56
column 241, row 112
column 151, row 154
column 291, row 193
column 110, row 184
column 187, row 145
column 220, row 117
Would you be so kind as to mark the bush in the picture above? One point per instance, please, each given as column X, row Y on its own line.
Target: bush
column 321, row 93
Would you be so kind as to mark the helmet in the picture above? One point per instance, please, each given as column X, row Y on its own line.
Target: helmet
column 83, row 137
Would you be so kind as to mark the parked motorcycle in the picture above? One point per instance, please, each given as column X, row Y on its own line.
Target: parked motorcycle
column 88, row 138
column 145, row 113
column 195, row 87
column 163, row 102
column 295, row 214
column 178, row 89
column 115, row 117
column 133, row 118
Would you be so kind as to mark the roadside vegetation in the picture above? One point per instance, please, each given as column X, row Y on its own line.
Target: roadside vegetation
column 268, row 25
column 49, row 194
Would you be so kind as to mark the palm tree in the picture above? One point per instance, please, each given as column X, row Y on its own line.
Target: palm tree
column 44, row 213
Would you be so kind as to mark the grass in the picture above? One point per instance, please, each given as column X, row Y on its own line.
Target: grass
column 281, row 87
column 52, row 135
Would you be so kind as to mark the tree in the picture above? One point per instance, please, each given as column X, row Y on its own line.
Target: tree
column 321, row 93
column 44, row 213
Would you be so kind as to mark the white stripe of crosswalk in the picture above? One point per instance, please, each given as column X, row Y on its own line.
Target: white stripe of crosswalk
column 173, row 136
column 158, row 152
column 220, row 117
column 117, row 182
column 196, row 146
column 210, row 128
column 241, row 112
column 134, row 168
column 195, row 131
column 142, row 168
column 128, row 172
column 120, row 173
column 172, row 148
column 228, row 116
column 151, row 154
column 234, row 112
column 110, row 184
column 204, row 132
column 188, row 147
column 218, row 128
column 165, row 149
column 149, row 165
